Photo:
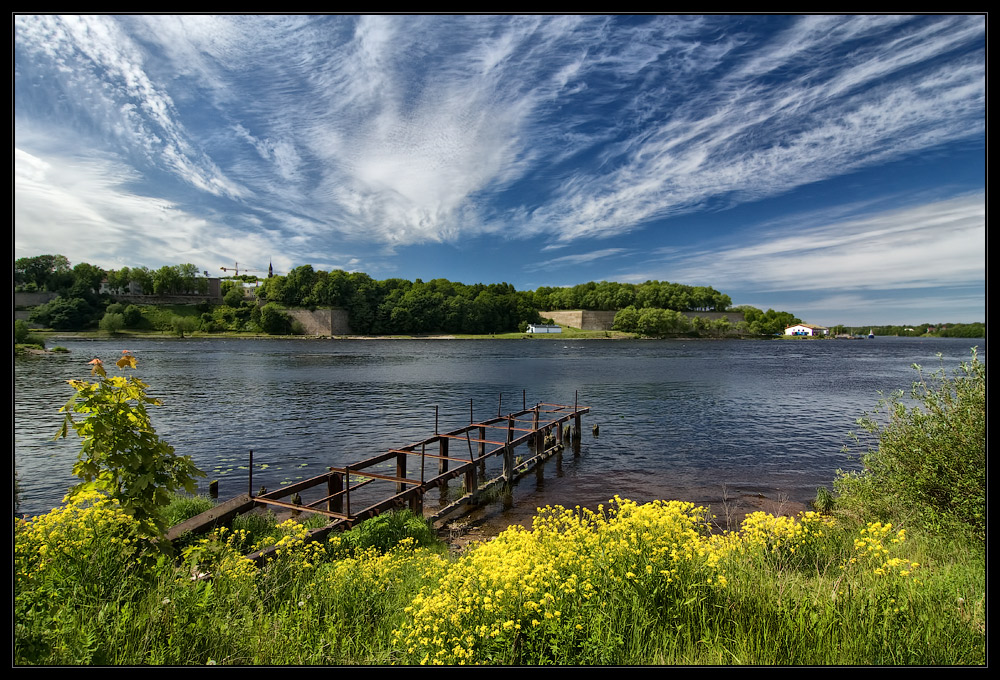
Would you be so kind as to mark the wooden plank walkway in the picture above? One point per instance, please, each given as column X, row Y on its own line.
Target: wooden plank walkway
column 419, row 467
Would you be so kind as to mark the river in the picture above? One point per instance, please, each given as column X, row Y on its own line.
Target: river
column 698, row 420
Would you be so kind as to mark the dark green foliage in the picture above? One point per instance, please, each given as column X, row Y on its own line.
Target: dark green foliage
column 274, row 321
column 44, row 272
column 769, row 322
column 234, row 297
column 386, row 531
column 64, row 314
column 651, row 294
column 926, row 464
column 133, row 315
column 113, row 323
column 20, row 331
column 184, row 324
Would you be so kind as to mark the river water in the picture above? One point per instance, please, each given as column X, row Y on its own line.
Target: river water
column 695, row 420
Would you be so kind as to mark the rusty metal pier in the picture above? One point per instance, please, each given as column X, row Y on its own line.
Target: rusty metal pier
column 402, row 476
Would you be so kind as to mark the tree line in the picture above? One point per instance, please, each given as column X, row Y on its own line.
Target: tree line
column 399, row 306
column 940, row 330
column 387, row 307
column 609, row 295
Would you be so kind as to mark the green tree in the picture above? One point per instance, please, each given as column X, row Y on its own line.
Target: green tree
column 184, row 324
column 274, row 321
column 121, row 455
column 132, row 315
column 234, row 296
column 112, row 323
column 63, row 314
column 87, row 276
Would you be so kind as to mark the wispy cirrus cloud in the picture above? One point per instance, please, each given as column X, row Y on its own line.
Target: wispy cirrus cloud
column 935, row 244
column 743, row 137
column 101, row 73
column 577, row 259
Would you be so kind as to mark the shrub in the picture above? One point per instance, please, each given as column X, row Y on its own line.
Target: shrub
column 133, row 315
column 184, row 324
column 113, row 323
column 928, row 464
column 20, row 331
column 121, row 455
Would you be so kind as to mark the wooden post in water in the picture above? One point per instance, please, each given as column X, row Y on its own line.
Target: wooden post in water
column 400, row 471
column 334, row 485
column 539, row 438
column 482, row 452
column 250, row 481
column 508, row 453
column 470, row 479
column 213, row 489
column 443, row 452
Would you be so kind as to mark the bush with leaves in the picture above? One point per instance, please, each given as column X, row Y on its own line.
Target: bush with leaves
column 122, row 456
column 112, row 323
column 928, row 461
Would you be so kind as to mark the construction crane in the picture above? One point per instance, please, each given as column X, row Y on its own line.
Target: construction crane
column 236, row 269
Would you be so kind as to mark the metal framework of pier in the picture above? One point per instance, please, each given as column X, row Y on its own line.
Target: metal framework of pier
column 419, row 467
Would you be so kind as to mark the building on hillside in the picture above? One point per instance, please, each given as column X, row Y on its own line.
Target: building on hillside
column 542, row 328
column 806, row 329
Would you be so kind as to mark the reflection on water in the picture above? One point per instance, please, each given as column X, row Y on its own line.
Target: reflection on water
column 678, row 419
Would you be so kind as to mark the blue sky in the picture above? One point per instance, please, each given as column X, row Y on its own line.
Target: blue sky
column 831, row 166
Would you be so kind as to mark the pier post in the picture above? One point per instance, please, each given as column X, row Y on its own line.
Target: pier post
column 538, row 438
column 334, row 485
column 508, row 452
column 400, row 471
column 443, row 452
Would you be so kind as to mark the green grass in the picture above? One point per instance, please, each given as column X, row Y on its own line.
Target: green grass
column 578, row 589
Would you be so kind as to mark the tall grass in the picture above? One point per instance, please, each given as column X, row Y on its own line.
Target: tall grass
column 628, row 584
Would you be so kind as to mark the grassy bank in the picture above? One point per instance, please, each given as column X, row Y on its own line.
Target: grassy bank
column 629, row 584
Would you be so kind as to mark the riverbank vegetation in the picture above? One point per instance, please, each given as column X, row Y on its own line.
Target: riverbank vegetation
column 937, row 330
column 893, row 574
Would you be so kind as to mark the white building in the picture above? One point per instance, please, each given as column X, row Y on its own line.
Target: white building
column 806, row 329
column 543, row 328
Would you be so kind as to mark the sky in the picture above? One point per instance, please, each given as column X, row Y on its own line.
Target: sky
column 830, row 166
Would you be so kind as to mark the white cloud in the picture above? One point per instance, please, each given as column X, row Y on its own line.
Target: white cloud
column 82, row 206
column 577, row 259
column 930, row 245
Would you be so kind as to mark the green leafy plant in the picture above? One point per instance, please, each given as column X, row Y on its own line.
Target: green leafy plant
column 928, row 462
column 121, row 455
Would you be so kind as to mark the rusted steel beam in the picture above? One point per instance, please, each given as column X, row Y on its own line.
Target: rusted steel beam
column 375, row 475
column 483, row 441
column 439, row 457
column 302, row 508
column 298, row 486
